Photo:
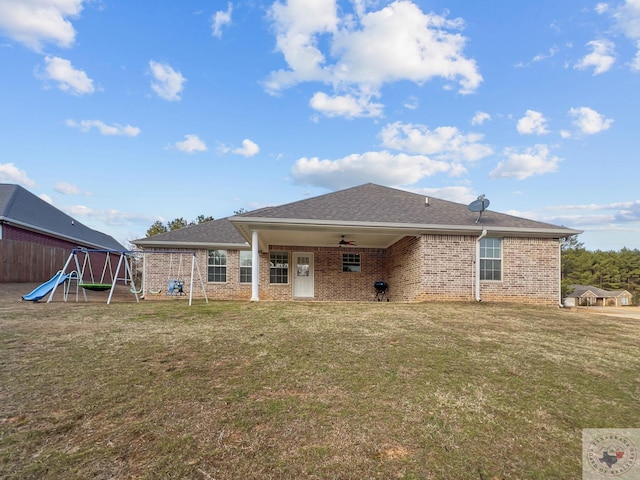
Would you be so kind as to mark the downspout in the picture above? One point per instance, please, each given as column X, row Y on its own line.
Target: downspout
column 560, row 304
column 255, row 267
column 482, row 235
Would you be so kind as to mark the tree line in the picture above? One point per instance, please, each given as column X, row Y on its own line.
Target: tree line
column 609, row 270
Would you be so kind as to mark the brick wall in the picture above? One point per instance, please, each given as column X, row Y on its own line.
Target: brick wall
column 417, row 268
column 529, row 273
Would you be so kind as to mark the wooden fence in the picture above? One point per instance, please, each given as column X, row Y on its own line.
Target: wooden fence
column 29, row 262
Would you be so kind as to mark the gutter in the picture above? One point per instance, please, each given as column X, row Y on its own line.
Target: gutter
column 482, row 235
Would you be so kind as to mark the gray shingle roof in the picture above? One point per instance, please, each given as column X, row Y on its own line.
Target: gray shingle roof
column 369, row 203
column 378, row 204
column 20, row 207
column 214, row 232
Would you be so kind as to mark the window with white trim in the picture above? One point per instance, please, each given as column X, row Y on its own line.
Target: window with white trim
column 279, row 267
column 350, row 262
column 245, row 266
column 491, row 259
column 217, row 266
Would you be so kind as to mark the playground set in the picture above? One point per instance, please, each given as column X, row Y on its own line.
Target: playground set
column 78, row 270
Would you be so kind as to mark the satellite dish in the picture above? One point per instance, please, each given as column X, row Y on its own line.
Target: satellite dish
column 479, row 205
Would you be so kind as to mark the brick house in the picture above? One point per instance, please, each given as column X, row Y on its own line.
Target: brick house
column 588, row 295
column 336, row 246
column 36, row 237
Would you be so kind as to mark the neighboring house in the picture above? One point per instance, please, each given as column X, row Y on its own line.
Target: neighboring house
column 587, row 295
column 336, row 246
column 36, row 237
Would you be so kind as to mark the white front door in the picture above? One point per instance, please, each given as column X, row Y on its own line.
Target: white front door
column 303, row 275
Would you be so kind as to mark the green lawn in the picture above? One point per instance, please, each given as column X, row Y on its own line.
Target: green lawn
column 265, row 390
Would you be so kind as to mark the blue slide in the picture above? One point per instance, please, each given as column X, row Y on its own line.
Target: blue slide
column 46, row 287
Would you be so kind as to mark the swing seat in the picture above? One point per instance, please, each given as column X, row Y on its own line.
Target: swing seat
column 176, row 288
column 96, row 287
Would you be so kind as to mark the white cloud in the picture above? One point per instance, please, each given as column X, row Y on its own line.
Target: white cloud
column 220, row 19
column 601, row 58
column 345, row 106
column 103, row 128
column 589, row 121
column 532, row 123
column 191, row 144
column 479, row 118
column 397, row 42
column 411, row 103
column 67, row 189
column 627, row 17
column 543, row 56
column 459, row 194
column 248, row 149
column 445, row 143
column 109, row 216
column 46, row 198
column 9, row 173
column 602, row 8
column 70, row 79
column 531, row 161
column 167, row 83
column 37, row 22
column 378, row 167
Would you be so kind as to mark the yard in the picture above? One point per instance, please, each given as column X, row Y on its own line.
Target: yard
column 294, row 390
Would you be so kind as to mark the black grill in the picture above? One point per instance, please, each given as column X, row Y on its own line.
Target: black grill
column 381, row 290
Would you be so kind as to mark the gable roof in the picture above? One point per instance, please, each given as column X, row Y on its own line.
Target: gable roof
column 22, row 208
column 585, row 290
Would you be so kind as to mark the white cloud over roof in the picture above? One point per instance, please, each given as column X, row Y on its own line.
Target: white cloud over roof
column 9, row 173
column 35, row 23
column 524, row 163
column 368, row 50
column 444, row 143
column 377, row 167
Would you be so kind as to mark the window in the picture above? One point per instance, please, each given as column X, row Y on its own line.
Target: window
column 245, row 266
column 217, row 266
column 350, row 262
column 279, row 267
column 491, row 259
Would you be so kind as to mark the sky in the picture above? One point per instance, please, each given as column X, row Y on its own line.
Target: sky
column 124, row 113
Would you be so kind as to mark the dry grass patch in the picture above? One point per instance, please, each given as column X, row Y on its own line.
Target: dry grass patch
column 307, row 390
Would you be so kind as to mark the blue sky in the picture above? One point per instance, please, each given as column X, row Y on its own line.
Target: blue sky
column 122, row 113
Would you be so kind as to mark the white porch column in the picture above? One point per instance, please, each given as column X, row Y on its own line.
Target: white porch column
column 255, row 267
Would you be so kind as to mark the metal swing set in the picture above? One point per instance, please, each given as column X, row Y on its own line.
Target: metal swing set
column 85, row 278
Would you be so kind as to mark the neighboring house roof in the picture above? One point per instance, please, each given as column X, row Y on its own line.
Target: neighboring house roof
column 591, row 291
column 371, row 215
column 23, row 209
column 213, row 234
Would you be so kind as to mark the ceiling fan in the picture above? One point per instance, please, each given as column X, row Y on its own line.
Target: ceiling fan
column 344, row 242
